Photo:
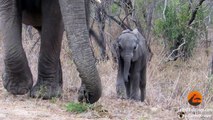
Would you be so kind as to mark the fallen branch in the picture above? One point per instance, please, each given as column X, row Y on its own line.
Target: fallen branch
column 179, row 47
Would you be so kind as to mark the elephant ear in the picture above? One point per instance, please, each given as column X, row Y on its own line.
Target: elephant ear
column 142, row 41
column 115, row 50
column 142, row 48
column 138, row 34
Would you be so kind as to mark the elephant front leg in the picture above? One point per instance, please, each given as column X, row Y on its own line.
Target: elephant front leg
column 121, row 89
column 134, row 81
column 127, row 86
column 17, row 77
column 49, row 83
column 143, row 84
column 120, row 85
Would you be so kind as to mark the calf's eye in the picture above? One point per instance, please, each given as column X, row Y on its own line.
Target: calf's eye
column 135, row 47
column 119, row 46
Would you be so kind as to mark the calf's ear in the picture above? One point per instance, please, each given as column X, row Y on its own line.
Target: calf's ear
column 115, row 50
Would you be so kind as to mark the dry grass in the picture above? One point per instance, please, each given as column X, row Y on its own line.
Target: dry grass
column 167, row 87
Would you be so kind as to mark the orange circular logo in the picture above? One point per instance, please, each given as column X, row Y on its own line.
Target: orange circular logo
column 194, row 98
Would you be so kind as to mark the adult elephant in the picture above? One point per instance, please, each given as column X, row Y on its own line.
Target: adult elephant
column 50, row 18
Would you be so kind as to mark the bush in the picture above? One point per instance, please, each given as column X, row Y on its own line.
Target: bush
column 176, row 31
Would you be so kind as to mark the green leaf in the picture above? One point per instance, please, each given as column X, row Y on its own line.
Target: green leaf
column 77, row 107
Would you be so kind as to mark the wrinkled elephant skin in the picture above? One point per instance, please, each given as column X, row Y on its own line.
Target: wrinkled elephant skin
column 131, row 53
column 50, row 18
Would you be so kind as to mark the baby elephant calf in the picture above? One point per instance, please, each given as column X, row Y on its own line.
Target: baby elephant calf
column 131, row 54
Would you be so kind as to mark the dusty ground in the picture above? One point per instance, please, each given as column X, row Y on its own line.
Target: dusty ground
column 168, row 85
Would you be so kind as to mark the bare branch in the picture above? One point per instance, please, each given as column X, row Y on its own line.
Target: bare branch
column 194, row 13
column 164, row 10
column 122, row 24
column 127, row 16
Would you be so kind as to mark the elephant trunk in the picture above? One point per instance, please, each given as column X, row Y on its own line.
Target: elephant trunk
column 127, row 64
column 75, row 22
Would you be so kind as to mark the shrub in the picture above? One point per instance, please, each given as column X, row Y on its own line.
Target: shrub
column 175, row 30
column 77, row 107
